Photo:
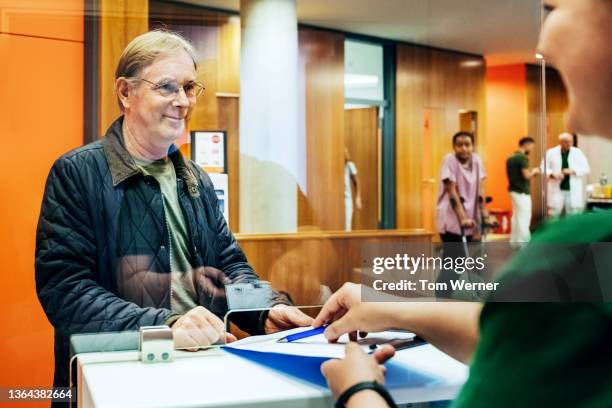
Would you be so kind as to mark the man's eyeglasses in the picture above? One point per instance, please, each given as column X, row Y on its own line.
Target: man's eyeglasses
column 170, row 89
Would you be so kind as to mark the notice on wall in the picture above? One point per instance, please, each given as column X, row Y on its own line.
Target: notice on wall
column 208, row 150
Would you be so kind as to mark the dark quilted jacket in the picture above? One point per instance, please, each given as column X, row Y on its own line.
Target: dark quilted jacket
column 102, row 258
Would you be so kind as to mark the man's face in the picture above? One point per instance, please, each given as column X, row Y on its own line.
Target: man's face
column 463, row 148
column 528, row 148
column 162, row 118
column 575, row 38
column 565, row 144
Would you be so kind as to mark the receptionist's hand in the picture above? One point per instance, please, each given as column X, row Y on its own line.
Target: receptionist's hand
column 199, row 328
column 283, row 317
column 345, row 314
column 356, row 367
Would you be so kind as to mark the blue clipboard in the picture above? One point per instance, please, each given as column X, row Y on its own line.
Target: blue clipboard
column 309, row 369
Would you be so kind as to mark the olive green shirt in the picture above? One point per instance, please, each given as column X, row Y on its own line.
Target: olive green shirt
column 547, row 354
column 514, row 170
column 183, row 296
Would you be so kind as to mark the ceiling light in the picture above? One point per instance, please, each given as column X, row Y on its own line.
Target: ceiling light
column 471, row 63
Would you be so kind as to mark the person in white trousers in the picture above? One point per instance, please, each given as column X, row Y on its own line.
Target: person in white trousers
column 519, row 174
column 350, row 179
column 566, row 167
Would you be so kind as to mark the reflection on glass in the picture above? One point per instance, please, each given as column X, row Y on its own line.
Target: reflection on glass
column 363, row 71
column 364, row 99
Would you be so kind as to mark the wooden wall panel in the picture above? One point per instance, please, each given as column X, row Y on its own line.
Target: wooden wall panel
column 434, row 148
column 534, row 129
column 441, row 80
column 361, row 140
column 299, row 263
column 556, row 107
column 229, row 54
column 322, row 63
column 120, row 23
column 410, row 101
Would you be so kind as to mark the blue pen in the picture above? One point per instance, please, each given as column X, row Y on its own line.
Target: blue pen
column 302, row 335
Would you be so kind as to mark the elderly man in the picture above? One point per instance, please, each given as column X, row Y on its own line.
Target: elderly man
column 566, row 167
column 130, row 233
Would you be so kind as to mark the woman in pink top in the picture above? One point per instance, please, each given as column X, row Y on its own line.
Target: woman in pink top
column 460, row 208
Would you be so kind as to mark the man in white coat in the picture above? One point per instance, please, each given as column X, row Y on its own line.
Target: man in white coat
column 566, row 167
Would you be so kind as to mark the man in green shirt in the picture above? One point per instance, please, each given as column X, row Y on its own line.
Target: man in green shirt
column 520, row 354
column 519, row 174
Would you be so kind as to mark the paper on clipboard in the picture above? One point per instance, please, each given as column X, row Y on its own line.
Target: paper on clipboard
column 317, row 346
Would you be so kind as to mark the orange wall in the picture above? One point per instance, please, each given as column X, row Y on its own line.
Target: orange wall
column 506, row 96
column 41, row 111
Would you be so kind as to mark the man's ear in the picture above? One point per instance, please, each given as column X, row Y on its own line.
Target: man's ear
column 122, row 88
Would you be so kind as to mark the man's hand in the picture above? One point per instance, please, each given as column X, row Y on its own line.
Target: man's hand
column 356, row 367
column 345, row 313
column 568, row 171
column 558, row 176
column 199, row 328
column 283, row 317
column 358, row 203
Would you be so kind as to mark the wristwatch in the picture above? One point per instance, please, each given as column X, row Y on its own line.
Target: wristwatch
column 365, row 385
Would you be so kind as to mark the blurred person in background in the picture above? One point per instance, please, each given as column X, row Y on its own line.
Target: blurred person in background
column 351, row 189
column 460, row 206
column 566, row 168
column 519, row 174
column 460, row 210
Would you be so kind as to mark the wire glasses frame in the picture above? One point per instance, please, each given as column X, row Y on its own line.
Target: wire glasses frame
column 168, row 89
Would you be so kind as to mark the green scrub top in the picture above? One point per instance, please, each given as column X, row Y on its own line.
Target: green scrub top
column 547, row 354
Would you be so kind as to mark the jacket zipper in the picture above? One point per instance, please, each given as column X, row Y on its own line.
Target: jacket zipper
column 169, row 255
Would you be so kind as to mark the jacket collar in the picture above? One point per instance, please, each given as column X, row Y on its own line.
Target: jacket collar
column 122, row 165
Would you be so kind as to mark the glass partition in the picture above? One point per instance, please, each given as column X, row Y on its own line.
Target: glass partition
column 268, row 139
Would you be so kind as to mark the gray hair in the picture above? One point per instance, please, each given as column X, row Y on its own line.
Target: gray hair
column 143, row 50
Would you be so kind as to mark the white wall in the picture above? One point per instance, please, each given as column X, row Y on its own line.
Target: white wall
column 598, row 151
